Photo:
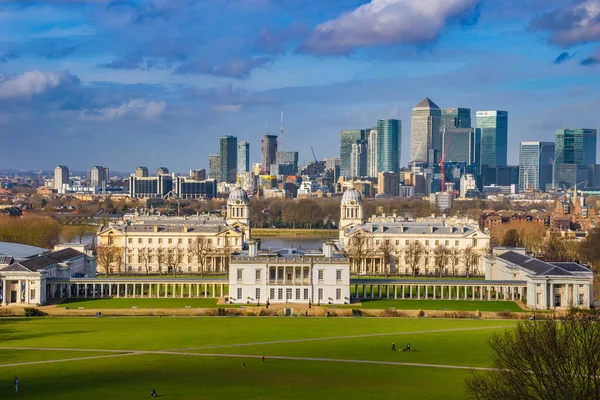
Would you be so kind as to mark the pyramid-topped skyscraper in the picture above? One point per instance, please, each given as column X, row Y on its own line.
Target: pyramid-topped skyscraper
column 425, row 132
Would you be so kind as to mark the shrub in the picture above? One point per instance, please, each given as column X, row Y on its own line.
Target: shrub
column 505, row 315
column 421, row 313
column 356, row 312
column 389, row 313
column 33, row 312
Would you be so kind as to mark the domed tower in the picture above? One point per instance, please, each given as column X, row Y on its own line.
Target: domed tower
column 351, row 209
column 238, row 207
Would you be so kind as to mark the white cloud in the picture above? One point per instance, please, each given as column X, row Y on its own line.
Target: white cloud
column 227, row 108
column 383, row 22
column 577, row 22
column 136, row 109
column 31, row 83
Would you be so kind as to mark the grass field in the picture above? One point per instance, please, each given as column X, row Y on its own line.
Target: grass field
column 201, row 358
column 452, row 305
column 142, row 303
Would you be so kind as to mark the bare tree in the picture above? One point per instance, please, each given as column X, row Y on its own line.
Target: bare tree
column 161, row 259
column 359, row 249
column 440, row 257
column 414, row 253
column 227, row 252
column 174, row 258
column 386, row 252
column 542, row 360
column 470, row 260
column 106, row 255
column 201, row 249
column 454, row 258
column 144, row 256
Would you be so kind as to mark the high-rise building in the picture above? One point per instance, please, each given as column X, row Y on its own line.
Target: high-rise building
column 243, row 157
column 228, row 158
column 535, row 168
column 287, row 157
column 162, row 171
column 388, row 183
column 493, row 126
column 425, row 132
column 269, row 152
column 98, row 176
column 372, row 153
column 389, row 145
column 461, row 145
column 214, row 167
column 61, row 177
column 141, row 172
column 358, row 159
column 348, row 137
column 198, row 174
column 456, row 118
column 576, row 146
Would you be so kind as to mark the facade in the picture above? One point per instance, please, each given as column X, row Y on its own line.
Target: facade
column 493, row 126
column 372, row 158
column 549, row 284
column 269, row 152
column 141, row 172
column 289, row 276
column 99, row 176
column 188, row 188
column 442, row 200
column 468, row 186
column 535, row 165
column 576, row 146
column 228, row 158
column 162, row 171
column 461, row 145
column 566, row 176
column 389, row 145
column 358, row 159
column 214, row 167
column 198, row 174
column 289, row 158
column 453, row 118
column 388, row 183
column 243, row 157
column 150, row 187
column 348, row 137
column 425, row 131
column 61, row 177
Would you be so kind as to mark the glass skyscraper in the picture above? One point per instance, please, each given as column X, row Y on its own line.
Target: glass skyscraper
column 243, row 157
column 425, row 132
column 389, row 145
column 576, row 146
column 348, row 137
column 462, row 145
column 535, row 167
column 456, row 118
column 493, row 126
column 214, row 167
column 228, row 158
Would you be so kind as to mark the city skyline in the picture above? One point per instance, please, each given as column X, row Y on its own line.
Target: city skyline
column 84, row 82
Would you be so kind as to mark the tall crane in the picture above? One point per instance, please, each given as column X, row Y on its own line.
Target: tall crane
column 316, row 162
column 442, row 162
column 281, row 133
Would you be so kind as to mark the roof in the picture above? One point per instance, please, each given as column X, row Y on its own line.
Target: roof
column 539, row 267
column 414, row 228
column 427, row 103
column 20, row 251
column 64, row 254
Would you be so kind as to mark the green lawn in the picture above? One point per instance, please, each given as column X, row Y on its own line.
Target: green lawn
column 142, row 303
column 204, row 371
column 451, row 305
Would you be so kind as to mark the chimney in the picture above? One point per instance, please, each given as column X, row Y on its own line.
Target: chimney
column 253, row 248
column 328, row 249
column 155, row 228
column 431, row 229
column 185, row 229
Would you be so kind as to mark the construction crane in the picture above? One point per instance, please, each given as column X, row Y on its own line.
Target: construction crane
column 316, row 162
column 281, row 133
column 442, row 162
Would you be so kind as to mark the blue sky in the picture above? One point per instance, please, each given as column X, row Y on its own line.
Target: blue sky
column 123, row 83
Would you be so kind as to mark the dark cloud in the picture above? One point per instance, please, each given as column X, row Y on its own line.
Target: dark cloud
column 562, row 57
column 278, row 41
column 590, row 61
column 239, row 69
column 133, row 61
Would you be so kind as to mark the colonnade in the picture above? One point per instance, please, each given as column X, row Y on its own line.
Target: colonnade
column 439, row 291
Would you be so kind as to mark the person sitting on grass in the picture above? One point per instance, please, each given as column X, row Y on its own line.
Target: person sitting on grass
column 153, row 393
column 407, row 348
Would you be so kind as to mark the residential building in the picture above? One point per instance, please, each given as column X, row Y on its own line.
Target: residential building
column 198, row 174
column 425, row 132
column 372, row 158
column 535, row 165
column 388, row 183
column 243, row 157
column 214, row 167
column 358, row 159
column 269, row 152
column 151, row 186
column 189, row 188
column 389, row 145
column 141, row 172
column 493, row 126
column 348, row 137
column 99, row 176
column 456, row 118
column 442, row 200
column 461, row 145
column 468, row 186
column 576, row 146
column 287, row 158
column 228, row 158
column 61, row 177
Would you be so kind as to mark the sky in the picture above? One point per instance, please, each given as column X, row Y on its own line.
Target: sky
column 123, row 83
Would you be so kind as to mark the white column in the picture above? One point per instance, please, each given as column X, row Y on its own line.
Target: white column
column 4, row 294
column 575, row 294
column 206, row 290
column 395, row 292
column 214, row 290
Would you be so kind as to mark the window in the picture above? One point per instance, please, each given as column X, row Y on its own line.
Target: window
column 139, row 258
column 280, row 294
column 129, row 268
column 297, row 274
column 149, row 240
column 150, row 259
column 170, row 241
column 189, row 269
column 32, row 295
column 580, row 299
column 406, row 242
column 305, row 294
column 447, row 242
column 437, row 242
column 427, row 243
column 338, row 275
column 272, row 274
column 239, row 293
column 320, row 272
column 240, row 274
column 538, row 297
column 288, row 294
column 456, row 242
column 272, row 294
column 397, row 242
column 320, row 294
column 338, row 294
column 297, row 294
column 130, row 240
column 257, row 294
column 258, row 274
column 189, row 241
column 129, row 259
column 139, row 240
column 159, row 240
column 139, row 269
column 474, row 242
column 377, row 242
column 180, row 241
column 111, row 241
column 305, row 273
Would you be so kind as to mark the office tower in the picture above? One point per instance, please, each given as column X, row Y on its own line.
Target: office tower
column 456, row 118
column 372, row 154
column 214, row 167
column 389, row 145
column 358, row 159
column 493, row 126
column 568, row 175
column 61, row 177
column 150, row 187
column 576, row 146
column 198, row 174
column 98, row 176
column 461, row 145
column 195, row 189
column 141, row 172
column 269, row 152
column 348, row 137
column 228, row 158
column 162, row 171
column 243, row 157
column 287, row 157
column 388, row 183
column 535, row 168
column 425, row 132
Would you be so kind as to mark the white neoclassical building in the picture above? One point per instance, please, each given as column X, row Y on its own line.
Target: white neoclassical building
column 289, row 276
column 549, row 284
column 396, row 233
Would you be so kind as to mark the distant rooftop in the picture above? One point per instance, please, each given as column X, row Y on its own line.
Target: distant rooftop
column 428, row 104
column 20, row 251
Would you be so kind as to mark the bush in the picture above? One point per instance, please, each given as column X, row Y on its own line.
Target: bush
column 33, row 312
column 389, row 313
column 421, row 314
column 505, row 315
column 356, row 312
column 265, row 312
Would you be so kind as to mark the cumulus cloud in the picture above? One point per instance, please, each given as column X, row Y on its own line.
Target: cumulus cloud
column 563, row 57
column 385, row 22
column 135, row 109
column 575, row 23
column 33, row 83
column 239, row 69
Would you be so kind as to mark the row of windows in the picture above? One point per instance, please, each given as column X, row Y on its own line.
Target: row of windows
column 427, row 242
column 258, row 274
column 178, row 240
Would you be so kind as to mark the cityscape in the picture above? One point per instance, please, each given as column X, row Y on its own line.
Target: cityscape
column 268, row 199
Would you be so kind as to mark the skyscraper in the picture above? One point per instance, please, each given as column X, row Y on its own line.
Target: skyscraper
column 141, row 172
column 162, row 171
column 389, row 145
column 456, row 118
column 214, row 167
column 228, row 158
column 576, row 146
column 535, row 168
column 425, row 132
column 348, row 137
column 461, row 145
column 372, row 154
column 243, row 162
column 358, row 159
column 493, row 126
column 61, row 177
column 98, row 176
column 269, row 152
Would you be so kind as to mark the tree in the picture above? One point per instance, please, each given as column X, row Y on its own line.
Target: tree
column 68, row 233
column 543, row 360
column 161, row 259
column 414, row 254
column 470, row 260
column 201, row 249
column 386, row 252
column 590, row 250
column 173, row 258
column 106, row 255
column 358, row 249
column 440, row 257
column 145, row 256
column 454, row 255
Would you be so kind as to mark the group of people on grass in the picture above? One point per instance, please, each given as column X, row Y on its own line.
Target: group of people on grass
column 407, row 348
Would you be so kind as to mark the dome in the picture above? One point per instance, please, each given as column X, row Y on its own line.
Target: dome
column 352, row 197
column 238, row 196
